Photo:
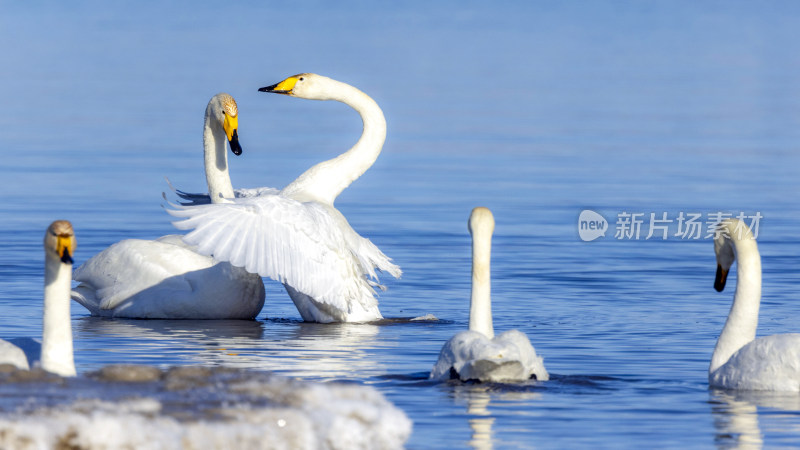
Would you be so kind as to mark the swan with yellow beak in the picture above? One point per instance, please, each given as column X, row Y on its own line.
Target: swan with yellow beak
column 296, row 235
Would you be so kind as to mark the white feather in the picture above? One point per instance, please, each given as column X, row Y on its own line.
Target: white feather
column 472, row 356
column 299, row 244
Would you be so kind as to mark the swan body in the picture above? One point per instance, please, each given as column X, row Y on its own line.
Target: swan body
column 165, row 278
column 296, row 235
column 477, row 354
column 740, row 361
column 54, row 352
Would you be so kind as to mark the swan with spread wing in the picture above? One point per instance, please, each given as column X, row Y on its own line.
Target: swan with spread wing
column 296, row 235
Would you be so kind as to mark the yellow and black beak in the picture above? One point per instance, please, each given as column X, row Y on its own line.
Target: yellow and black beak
column 66, row 248
column 284, row 87
column 720, row 279
column 231, row 126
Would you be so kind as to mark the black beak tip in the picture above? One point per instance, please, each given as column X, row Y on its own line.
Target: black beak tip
column 720, row 279
column 66, row 258
column 273, row 89
column 236, row 148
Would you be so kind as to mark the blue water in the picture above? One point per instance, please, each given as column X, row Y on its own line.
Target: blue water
column 536, row 110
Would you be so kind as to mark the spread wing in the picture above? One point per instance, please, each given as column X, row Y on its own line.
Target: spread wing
column 306, row 245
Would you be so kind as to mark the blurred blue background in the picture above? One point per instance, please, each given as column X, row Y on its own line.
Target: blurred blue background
column 537, row 110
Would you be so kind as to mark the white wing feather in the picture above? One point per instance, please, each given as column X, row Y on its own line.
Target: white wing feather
column 306, row 245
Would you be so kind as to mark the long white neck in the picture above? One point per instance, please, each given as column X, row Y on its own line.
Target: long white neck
column 216, row 160
column 326, row 180
column 57, row 354
column 740, row 328
column 480, row 305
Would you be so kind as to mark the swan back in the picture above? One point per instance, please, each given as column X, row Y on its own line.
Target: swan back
column 165, row 279
column 481, row 227
column 770, row 363
column 508, row 357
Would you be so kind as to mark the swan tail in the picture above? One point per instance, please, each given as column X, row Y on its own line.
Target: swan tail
column 188, row 198
column 372, row 259
column 85, row 296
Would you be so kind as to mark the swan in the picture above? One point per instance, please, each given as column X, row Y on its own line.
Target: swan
column 477, row 354
column 296, row 235
column 770, row 363
column 165, row 278
column 54, row 352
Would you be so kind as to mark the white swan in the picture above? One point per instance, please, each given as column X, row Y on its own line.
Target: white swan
column 165, row 278
column 770, row 363
column 54, row 352
column 477, row 354
column 297, row 236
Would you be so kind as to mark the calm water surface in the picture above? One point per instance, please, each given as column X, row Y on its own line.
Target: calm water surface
column 535, row 111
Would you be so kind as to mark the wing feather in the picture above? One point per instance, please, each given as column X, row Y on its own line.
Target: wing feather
column 300, row 244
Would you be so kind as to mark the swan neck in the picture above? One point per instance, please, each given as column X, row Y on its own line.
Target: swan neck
column 216, row 160
column 57, row 356
column 740, row 327
column 326, row 180
column 480, row 310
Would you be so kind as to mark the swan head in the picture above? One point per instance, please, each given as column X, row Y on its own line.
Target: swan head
column 729, row 232
column 222, row 110
column 481, row 221
column 305, row 85
column 59, row 241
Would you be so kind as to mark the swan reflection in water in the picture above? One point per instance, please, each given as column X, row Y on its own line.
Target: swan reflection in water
column 478, row 398
column 481, row 420
column 736, row 417
column 308, row 350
